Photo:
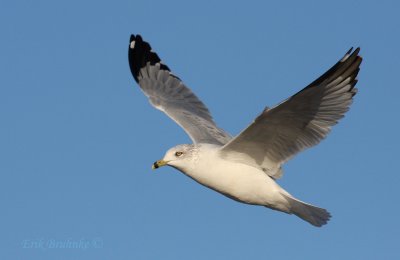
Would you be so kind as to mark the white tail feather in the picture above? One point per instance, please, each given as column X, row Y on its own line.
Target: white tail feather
column 312, row 214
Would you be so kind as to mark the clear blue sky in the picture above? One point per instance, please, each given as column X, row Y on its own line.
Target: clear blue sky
column 77, row 136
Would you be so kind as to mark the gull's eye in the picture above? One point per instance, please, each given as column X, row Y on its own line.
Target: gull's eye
column 177, row 154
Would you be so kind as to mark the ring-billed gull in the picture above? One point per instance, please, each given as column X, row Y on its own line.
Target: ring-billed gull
column 245, row 167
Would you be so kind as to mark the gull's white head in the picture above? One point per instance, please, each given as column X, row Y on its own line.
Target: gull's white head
column 177, row 157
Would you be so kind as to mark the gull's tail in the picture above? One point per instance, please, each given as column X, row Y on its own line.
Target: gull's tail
column 312, row 214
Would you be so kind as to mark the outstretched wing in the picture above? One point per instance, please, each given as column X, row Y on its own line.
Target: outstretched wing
column 167, row 93
column 299, row 122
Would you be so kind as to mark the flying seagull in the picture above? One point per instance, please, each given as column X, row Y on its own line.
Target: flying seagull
column 245, row 167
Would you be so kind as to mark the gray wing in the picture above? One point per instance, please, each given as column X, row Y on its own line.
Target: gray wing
column 167, row 93
column 299, row 122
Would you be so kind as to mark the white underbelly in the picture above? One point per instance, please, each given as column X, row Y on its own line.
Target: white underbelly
column 240, row 182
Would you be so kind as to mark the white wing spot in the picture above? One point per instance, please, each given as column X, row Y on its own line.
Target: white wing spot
column 132, row 44
column 345, row 57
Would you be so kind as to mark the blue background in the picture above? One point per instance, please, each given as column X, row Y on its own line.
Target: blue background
column 77, row 136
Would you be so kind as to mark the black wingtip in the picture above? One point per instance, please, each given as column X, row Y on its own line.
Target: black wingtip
column 349, row 51
column 357, row 50
column 140, row 54
column 350, row 58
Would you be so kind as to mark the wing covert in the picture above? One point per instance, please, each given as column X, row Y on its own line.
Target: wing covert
column 167, row 93
column 299, row 122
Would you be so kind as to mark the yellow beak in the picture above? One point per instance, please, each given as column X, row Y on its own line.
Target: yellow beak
column 158, row 164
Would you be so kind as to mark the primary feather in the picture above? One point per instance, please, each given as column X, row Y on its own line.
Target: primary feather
column 299, row 122
column 167, row 93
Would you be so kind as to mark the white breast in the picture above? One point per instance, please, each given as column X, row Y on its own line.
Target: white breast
column 235, row 180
